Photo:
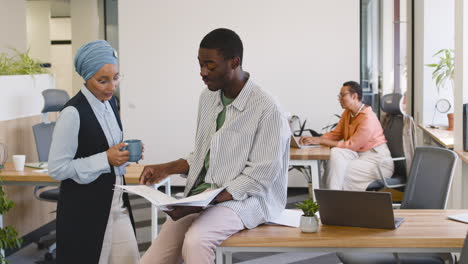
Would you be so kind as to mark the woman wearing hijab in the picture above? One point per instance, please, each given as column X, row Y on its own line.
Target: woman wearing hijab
column 94, row 223
column 358, row 144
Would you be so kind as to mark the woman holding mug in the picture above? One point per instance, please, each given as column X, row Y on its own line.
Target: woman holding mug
column 94, row 223
column 358, row 144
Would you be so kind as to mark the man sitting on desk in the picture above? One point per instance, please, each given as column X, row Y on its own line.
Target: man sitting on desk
column 241, row 144
column 353, row 161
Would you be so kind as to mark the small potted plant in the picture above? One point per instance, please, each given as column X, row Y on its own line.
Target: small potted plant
column 309, row 221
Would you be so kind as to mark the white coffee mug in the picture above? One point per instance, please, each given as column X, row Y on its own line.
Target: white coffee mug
column 19, row 161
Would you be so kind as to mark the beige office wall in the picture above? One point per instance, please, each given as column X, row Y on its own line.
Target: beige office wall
column 61, row 55
column 84, row 28
column 300, row 51
column 12, row 25
column 38, row 24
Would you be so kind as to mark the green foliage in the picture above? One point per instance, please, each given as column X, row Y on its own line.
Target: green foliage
column 5, row 203
column 8, row 235
column 19, row 64
column 444, row 68
column 309, row 207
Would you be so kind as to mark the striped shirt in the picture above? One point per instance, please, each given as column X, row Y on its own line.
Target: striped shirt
column 249, row 154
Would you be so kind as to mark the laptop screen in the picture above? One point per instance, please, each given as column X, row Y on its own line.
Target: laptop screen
column 354, row 208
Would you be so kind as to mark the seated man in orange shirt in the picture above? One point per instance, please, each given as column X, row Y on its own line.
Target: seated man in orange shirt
column 358, row 144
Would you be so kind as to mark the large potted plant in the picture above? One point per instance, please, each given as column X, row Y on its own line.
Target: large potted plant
column 309, row 220
column 8, row 235
column 443, row 76
column 22, row 79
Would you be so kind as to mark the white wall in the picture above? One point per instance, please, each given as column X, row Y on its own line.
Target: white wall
column 460, row 182
column 388, row 71
column 21, row 95
column 300, row 51
column 12, row 25
column 434, row 30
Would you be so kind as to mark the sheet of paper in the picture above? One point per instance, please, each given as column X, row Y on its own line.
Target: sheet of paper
column 202, row 199
column 288, row 218
column 156, row 197
column 459, row 217
column 163, row 200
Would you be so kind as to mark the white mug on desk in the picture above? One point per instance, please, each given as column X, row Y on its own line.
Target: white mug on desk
column 19, row 161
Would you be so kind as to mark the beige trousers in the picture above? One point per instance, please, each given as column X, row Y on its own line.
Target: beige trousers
column 194, row 238
column 350, row 170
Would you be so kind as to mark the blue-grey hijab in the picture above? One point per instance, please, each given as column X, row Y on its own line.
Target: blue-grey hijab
column 91, row 57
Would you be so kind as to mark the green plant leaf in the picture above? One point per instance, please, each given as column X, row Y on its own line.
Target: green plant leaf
column 309, row 207
column 20, row 64
column 444, row 68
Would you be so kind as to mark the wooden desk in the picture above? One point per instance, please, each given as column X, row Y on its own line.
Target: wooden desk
column 441, row 136
column 9, row 176
column 422, row 231
column 318, row 153
column 304, row 159
column 28, row 177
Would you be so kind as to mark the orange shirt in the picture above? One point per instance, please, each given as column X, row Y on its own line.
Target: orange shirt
column 362, row 134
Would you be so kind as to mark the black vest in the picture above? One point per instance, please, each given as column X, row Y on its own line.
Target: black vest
column 83, row 209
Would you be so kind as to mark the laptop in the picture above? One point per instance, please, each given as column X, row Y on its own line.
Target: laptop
column 295, row 143
column 354, row 208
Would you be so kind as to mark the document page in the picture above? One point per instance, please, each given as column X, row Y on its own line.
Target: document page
column 161, row 199
column 156, row 197
column 288, row 218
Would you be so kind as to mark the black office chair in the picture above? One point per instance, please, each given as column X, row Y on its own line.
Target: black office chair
column 428, row 187
column 394, row 126
column 54, row 100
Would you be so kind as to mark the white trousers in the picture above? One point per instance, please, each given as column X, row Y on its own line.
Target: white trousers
column 120, row 245
column 194, row 238
column 351, row 170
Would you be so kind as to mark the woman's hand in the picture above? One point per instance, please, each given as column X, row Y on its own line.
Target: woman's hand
column 116, row 157
column 310, row 140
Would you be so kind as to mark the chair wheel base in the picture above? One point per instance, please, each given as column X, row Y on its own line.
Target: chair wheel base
column 48, row 256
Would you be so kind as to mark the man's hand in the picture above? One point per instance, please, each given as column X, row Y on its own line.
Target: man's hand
column 116, row 157
column 153, row 173
column 181, row 211
column 157, row 172
column 222, row 197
